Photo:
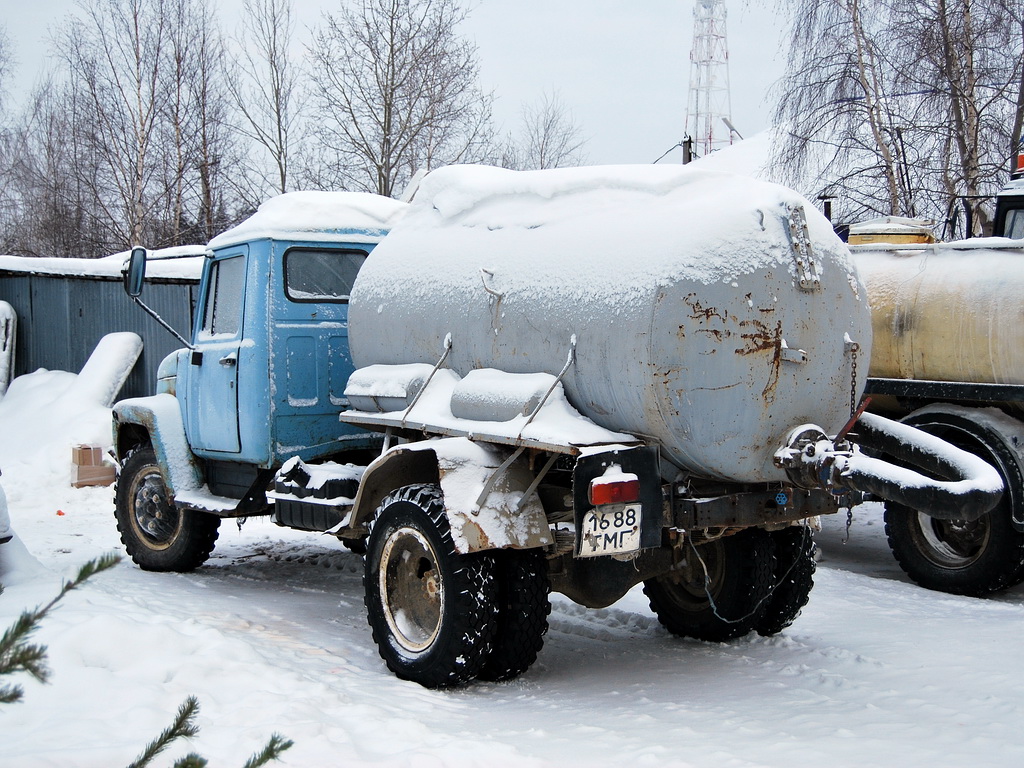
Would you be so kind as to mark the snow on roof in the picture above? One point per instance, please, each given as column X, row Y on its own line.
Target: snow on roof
column 183, row 262
column 356, row 216
column 892, row 225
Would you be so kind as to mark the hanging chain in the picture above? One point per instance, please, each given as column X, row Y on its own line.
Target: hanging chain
column 854, row 349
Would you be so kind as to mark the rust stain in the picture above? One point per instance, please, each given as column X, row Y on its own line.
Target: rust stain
column 698, row 311
column 762, row 338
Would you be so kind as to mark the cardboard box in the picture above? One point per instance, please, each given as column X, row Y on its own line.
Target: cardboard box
column 86, row 455
column 99, row 475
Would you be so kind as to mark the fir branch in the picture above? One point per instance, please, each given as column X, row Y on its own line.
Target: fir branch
column 17, row 655
column 272, row 751
column 182, row 727
column 191, row 760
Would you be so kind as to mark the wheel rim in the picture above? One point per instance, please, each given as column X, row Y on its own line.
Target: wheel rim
column 155, row 518
column 954, row 543
column 688, row 586
column 411, row 589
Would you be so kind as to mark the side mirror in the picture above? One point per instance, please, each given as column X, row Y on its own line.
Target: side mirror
column 136, row 273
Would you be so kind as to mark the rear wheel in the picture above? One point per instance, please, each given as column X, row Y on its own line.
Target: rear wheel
column 793, row 578
column 432, row 611
column 959, row 556
column 523, row 609
column 719, row 592
column 157, row 535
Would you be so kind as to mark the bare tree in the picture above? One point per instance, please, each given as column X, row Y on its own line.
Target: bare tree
column 902, row 107
column 549, row 137
column 196, row 127
column 396, row 91
column 115, row 55
column 832, row 105
column 267, row 91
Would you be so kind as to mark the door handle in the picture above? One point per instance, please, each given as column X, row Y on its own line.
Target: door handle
column 229, row 360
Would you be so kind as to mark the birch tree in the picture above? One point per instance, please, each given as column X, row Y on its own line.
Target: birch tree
column 548, row 137
column 268, row 94
column 115, row 54
column 396, row 91
column 906, row 108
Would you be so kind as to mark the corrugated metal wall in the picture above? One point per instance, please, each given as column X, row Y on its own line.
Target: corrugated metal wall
column 61, row 319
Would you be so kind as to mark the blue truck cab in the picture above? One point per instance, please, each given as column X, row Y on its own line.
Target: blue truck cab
column 263, row 376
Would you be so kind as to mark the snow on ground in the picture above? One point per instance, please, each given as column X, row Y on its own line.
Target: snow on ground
column 270, row 636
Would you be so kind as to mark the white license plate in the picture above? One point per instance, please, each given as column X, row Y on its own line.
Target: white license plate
column 610, row 530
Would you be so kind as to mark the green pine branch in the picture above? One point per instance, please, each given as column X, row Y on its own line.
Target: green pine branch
column 17, row 654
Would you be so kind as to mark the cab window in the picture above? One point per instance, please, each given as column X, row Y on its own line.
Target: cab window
column 223, row 313
column 321, row 275
column 1013, row 226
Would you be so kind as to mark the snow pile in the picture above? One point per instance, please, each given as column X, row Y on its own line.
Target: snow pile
column 295, row 215
column 59, row 409
column 8, row 336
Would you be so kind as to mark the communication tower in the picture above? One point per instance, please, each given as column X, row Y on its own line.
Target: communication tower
column 708, row 109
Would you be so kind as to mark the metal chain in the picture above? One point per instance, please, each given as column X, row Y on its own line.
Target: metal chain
column 853, row 379
column 854, row 349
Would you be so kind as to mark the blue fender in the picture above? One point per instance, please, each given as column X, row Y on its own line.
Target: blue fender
column 160, row 417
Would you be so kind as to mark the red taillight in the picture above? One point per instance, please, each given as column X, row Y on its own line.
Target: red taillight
column 614, row 489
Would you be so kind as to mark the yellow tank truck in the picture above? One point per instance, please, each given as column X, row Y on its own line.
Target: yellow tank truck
column 948, row 358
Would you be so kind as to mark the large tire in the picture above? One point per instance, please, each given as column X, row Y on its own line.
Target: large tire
column 730, row 602
column 962, row 557
column 792, row 579
column 523, row 608
column 157, row 535
column 432, row 611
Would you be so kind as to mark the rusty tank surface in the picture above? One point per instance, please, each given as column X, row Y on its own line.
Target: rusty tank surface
column 711, row 313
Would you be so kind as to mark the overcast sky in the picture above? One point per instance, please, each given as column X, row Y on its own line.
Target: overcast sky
column 621, row 66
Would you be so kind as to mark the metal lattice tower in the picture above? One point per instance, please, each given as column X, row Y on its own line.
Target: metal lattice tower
column 708, row 106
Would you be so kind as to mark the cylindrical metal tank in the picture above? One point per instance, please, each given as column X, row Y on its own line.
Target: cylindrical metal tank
column 947, row 312
column 708, row 314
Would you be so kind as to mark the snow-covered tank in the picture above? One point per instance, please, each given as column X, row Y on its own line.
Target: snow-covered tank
column 710, row 313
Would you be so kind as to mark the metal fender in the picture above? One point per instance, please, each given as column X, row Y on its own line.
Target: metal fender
column 483, row 487
column 159, row 416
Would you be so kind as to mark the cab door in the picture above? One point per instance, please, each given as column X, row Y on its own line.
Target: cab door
column 213, row 372
column 310, row 348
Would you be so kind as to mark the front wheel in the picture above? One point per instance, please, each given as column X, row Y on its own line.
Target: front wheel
column 157, row 535
column 720, row 591
column 432, row 611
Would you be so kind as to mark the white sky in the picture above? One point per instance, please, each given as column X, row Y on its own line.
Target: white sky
column 621, row 66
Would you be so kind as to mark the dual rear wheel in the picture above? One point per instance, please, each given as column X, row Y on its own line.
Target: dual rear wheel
column 441, row 618
column 726, row 588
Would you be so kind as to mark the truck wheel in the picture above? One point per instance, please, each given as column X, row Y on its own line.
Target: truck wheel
column 792, row 578
column 157, row 535
column 523, row 609
column 432, row 611
column 957, row 556
column 729, row 601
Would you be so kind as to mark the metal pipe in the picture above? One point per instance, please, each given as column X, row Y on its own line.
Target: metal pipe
column 968, row 486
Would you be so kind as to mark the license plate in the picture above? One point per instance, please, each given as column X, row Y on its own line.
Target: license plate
column 610, row 530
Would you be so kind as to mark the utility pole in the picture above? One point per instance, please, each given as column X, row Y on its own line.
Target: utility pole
column 709, row 110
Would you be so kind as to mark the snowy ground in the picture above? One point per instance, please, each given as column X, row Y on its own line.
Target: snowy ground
column 270, row 636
